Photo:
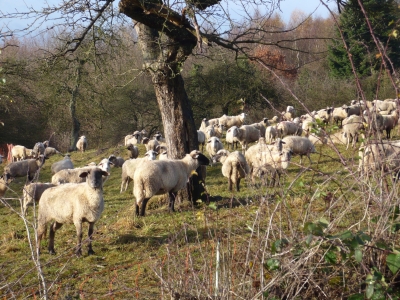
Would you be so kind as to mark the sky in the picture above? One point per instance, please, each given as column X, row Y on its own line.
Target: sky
column 287, row 8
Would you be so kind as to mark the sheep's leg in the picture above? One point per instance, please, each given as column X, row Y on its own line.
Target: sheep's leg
column 41, row 231
column 53, row 228
column 238, row 184
column 143, row 207
column 90, row 234
column 171, row 199
column 137, row 207
column 78, row 226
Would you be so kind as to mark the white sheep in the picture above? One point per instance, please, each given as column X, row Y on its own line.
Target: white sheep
column 163, row 155
column 135, row 138
column 246, row 134
column 209, row 132
column 18, row 152
column 32, row 193
column 165, row 176
column 262, row 126
column 285, row 128
column 214, row 144
column 229, row 121
column 299, row 146
column 72, row 203
column 38, row 149
column 66, row 163
column 325, row 115
column 339, row 114
column 81, row 144
column 129, row 168
column 389, row 122
column 205, row 123
column 116, row 160
column 133, row 151
column 150, row 144
column 218, row 130
column 352, row 128
column 272, row 163
column 25, row 167
column 5, row 180
column 270, row 134
column 201, row 138
column 234, row 167
column 230, row 140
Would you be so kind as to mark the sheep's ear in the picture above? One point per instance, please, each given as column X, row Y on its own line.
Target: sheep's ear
column 83, row 174
column 111, row 163
column 104, row 173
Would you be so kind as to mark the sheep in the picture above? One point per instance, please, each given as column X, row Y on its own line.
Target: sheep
column 262, row 125
column 308, row 124
column 150, row 144
column 270, row 134
column 72, row 203
column 317, row 139
column 336, row 138
column 32, row 192
column 234, row 167
column 289, row 114
column 158, row 137
column 205, row 123
column 213, row 146
column 135, row 138
column 246, row 134
column 133, row 151
column 81, row 144
column 166, row 176
column 49, row 151
column 66, row 163
column 273, row 163
column 325, row 115
column 352, row 126
column 24, row 167
column 1, row 159
column 229, row 121
column 388, row 105
column 129, row 168
column 299, row 145
column 353, row 110
column 339, row 114
column 201, row 138
column 72, row 175
column 229, row 139
column 163, row 155
column 209, row 132
column 389, row 122
column 285, row 128
column 18, row 152
column 273, row 121
column 116, row 160
column 5, row 180
column 261, row 146
column 38, row 149
column 218, row 130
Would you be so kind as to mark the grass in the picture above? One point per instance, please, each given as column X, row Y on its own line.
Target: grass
column 166, row 255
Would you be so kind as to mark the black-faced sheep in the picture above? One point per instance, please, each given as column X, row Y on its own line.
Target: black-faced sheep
column 81, row 144
column 165, row 176
column 116, row 160
column 234, row 167
column 72, row 203
column 133, row 151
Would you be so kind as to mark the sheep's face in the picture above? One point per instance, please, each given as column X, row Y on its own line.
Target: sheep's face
column 94, row 177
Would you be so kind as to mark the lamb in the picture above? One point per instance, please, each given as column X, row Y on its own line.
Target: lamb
column 234, row 167
column 66, row 163
column 299, row 145
column 38, row 149
column 229, row 121
column 81, row 144
column 116, row 160
column 72, row 203
column 24, row 167
column 18, row 152
column 167, row 176
column 201, row 138
column 273, row 163
column 270, row 134
column 133, row 151
column 32, row 192
column 339, row 114
column 213, row 146
column 285, row 128
column 72, row 175
column 5, row 180
column 129, row 168
column 229, row 139
column 352, row 127
column 49, row 151
column 246, row 134
column 262, row 125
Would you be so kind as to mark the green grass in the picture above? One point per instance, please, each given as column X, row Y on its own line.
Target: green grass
column 163, row 253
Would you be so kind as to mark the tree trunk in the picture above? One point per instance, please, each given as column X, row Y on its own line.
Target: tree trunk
column 163, row 58
column 76, row 125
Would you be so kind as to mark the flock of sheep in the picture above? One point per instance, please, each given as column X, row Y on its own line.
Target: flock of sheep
column 75, row 195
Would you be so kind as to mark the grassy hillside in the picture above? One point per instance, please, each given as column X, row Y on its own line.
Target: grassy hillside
column 320, row 234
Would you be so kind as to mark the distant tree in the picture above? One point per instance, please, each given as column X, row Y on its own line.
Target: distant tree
column 383, row 15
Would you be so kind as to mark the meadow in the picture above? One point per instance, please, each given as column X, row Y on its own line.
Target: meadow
column 323, row 233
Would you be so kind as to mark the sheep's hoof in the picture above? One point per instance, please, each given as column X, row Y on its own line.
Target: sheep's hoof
column 52, row 252
column 78, row 253
column 90, row 252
